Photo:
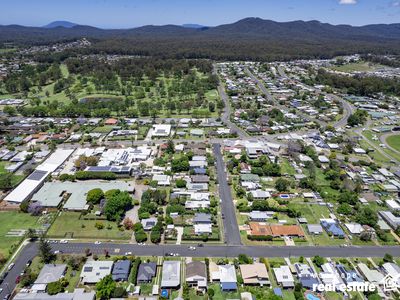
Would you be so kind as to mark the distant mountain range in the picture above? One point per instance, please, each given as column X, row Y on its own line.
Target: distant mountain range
column 249, row 34
column 64, row 24
column 196, row 26
column 248, row 28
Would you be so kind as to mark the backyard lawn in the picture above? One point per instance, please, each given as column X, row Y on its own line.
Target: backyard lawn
column 68, row 225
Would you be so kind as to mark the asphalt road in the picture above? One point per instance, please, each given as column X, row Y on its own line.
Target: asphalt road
column 231, row 229
column 30, row 251
column 348, row 109
column 26, row 254
column 230, row 251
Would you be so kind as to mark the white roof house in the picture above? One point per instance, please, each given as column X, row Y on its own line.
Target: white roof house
column 260, row 194
column 227, row 273
column 163, row 180
column 329, row 275
column 354, row 228
column 161, row 130
column 93, row 271
column 392, row 204
column 359, row 151
column 202, row 229
column 171, row 274
column 284, row 276
column 323, row 159
column 370, row 275
column 392, row 270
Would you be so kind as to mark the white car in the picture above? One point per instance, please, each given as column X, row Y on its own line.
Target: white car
column 63, row 242
column 192, row 248
column 97, row 242
column 128, row 253
column 10, row 266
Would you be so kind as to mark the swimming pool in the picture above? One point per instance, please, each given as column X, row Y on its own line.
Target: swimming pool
column 311, row 297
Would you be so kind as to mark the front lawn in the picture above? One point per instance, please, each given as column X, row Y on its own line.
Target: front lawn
column 70, row 225
column 13, row 220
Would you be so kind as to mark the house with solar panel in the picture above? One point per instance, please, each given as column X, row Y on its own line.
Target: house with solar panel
column 95, row 270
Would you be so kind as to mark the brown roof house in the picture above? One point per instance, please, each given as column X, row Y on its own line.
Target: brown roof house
column 255, row 274
column 262, row 229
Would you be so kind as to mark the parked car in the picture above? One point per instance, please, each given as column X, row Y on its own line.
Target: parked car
column 10, row 266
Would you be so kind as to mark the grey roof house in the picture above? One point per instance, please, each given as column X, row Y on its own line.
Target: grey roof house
column 121, row 270
column 146, row 272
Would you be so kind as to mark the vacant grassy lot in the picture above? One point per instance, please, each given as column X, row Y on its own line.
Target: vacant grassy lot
column 69, row 225
column 11, row 220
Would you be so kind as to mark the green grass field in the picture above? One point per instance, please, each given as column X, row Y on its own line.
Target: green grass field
column 11, row 220
column 356, row 67
column 68, row 224
column 394, row 141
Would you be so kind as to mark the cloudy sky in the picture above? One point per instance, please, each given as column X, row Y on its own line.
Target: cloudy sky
column 133, row 13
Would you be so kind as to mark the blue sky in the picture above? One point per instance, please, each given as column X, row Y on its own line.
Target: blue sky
column 133, row 13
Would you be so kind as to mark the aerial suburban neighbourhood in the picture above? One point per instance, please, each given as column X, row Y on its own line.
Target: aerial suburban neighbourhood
column 200, row 162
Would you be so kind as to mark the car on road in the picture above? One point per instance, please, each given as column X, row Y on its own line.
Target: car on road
column 1, row 290
column 97, row 242
column 63, row 242
column 57, row 252
column 6, row 297
column 10, row 266
column 200, row 245
column 28, row 263
column 128, row 253
column 192, row 248
column 18, row 279
column 142, row 244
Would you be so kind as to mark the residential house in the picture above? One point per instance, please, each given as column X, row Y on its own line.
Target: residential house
column 284, row 276
column 306, row 275
column 162, row 180
column 202, row 218
column 196, row 274
column 95, row 270
column 329, row 276
column 200, row 179
column 371, row 275
column 171, row 274
column 149, row 223
column 332, row 227
column 255, row 274
column 146, row 272
column 260, row 216
column 228, row 280
column 49, row 273
column 314, row 229
column 121, row 270
column 260, row 195
column 391, row 219
column 161, row 130
column 348, row 276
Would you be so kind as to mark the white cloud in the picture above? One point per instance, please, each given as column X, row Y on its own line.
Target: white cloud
column 348, row 2
column 396, row 3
